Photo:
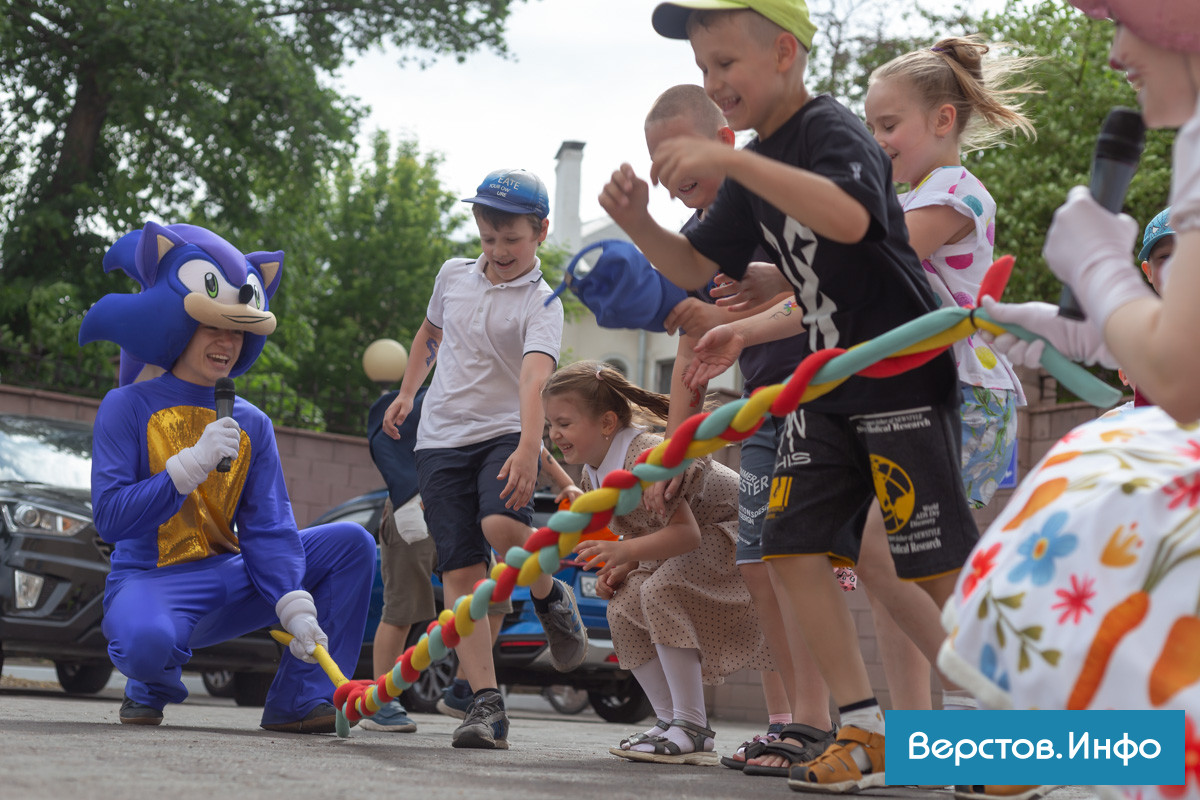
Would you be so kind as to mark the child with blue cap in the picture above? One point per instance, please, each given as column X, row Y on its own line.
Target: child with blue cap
column 1158, row 245
column 494, row 329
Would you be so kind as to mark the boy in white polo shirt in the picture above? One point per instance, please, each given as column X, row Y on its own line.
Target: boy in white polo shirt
column 495, row 341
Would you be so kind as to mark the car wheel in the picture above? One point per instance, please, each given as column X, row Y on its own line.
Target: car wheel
column 422, row 696
column 626, row 705
column 218, row 682
column 250, row 688
column 566, row 699
column 82, row 678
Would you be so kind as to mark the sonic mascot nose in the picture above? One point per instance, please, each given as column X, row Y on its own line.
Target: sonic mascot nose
column 246, row 293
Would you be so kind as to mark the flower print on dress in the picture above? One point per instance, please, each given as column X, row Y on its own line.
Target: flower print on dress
column 1191, row 762
column 982, row 563
column 1075, row 600
column 1182, row 491
column 1191, row 450
column 989, row 667
column 1041, row 549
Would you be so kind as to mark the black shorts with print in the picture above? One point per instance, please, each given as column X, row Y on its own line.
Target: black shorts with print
column 830, row 467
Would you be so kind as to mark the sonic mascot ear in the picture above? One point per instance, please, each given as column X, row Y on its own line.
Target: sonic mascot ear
column 188, row 276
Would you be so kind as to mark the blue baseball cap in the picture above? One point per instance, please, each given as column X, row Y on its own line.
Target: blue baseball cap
column 622, row 289
column 1156, row 230
column 516, row 191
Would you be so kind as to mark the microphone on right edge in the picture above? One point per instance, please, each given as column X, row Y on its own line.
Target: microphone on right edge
column 1118, row 150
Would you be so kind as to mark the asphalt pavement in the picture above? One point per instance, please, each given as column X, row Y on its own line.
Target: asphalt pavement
column 60, row 747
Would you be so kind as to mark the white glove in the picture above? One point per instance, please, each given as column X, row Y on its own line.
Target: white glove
column 1077, row 340
column 190, row 466
column 298, row 615
column 1089, row 249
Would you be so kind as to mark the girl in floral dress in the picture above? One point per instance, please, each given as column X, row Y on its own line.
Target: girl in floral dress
column 1085, row 592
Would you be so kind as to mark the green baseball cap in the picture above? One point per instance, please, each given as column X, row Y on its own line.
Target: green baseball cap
column 670, row 19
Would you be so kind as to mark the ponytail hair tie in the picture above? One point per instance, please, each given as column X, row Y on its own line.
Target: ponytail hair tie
column 599, row 377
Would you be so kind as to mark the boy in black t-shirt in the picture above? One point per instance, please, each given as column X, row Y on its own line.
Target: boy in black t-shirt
column 815, row 191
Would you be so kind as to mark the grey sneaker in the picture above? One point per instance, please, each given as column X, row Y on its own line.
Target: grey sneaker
column 486, row 724
column 564, row 629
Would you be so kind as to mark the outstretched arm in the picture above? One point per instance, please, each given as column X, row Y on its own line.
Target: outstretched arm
column 809, row 198
column 521, row 469
column 626, row 198
column 680, row 535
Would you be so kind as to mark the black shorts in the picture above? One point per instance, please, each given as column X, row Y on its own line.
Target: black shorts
column 830, row 467
column 459, row 488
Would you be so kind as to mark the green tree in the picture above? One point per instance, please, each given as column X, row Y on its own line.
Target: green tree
column 1030, row 179
column 386, row 231
column 115, row 112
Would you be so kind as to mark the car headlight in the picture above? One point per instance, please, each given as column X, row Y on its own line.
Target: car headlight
column 24, row 517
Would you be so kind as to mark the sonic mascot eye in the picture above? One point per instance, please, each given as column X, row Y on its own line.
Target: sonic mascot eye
column 210, row 284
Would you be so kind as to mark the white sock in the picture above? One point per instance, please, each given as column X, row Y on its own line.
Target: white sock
column 869, row 717
column 653, row 681
column 681, row 668
column 958, row 700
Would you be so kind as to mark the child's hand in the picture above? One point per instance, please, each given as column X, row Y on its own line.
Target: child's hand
column 657, row 495
column 716, row 352
column 594, row 551
column 570, row 493
column 395, row 415
column 761, row 283
column 694, row 317
column 610, row 579
column 520, row 472
column 626, row 197
column 687, row 159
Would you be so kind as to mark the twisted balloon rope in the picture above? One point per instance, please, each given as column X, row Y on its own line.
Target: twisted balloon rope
column 901, row 349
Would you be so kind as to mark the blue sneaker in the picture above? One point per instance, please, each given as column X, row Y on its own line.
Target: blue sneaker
column 485, row 726
column 391, row 718
column 456, row 699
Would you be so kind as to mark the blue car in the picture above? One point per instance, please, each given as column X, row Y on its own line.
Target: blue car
column 521, row 655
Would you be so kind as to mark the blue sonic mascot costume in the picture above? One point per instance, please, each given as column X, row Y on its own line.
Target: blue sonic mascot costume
column 204, row 555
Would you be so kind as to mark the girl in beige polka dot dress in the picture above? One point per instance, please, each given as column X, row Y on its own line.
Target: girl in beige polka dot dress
column 678, row 608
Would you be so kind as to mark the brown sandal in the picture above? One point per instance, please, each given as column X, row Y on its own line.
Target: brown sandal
column 836, row 771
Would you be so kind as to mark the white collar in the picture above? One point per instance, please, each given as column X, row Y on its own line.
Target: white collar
column 533, row 276
column 615, row 458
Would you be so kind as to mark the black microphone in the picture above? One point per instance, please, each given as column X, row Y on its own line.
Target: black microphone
column 223, row 394
column 1118, row 150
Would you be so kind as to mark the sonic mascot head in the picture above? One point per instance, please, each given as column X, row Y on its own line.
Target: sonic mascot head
column 188, row 276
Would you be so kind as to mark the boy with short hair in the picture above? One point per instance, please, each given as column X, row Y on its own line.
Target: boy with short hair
column 495, row 340
column 796, row 698
column 815, row 191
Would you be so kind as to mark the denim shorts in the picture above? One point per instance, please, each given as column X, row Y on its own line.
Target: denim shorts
column 459, row 488
column 754, row 488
